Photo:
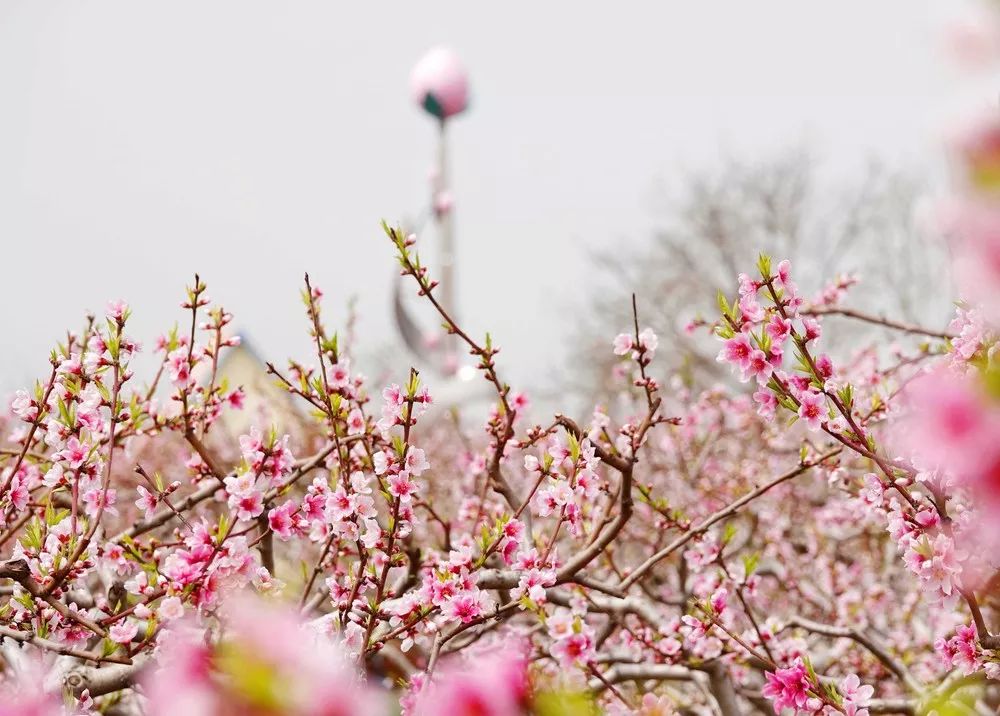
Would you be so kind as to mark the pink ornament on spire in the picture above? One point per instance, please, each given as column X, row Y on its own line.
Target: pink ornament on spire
column 440, row 84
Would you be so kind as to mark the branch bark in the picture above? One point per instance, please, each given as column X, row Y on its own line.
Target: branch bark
column 104, row 680
column 725, row 512
column 877, row 650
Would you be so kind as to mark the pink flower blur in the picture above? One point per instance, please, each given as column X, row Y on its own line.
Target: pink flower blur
column 489, row 684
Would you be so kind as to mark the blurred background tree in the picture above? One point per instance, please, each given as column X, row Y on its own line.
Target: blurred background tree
column 717, row 223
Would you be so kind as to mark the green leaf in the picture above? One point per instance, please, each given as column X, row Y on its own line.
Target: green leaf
column 947, row 702
column 565, row 703
column 812, row 672
column 251, row 677
column 728, row 532
column 723, row 303
column 32, row 537
column 574, row 446
column 764, row 265
column 725, row 332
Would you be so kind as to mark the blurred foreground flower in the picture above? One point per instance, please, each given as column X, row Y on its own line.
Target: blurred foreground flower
column 490, row 684
column 263, row 660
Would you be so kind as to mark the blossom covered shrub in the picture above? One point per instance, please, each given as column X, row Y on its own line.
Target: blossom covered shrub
column 820, row 543
column 821, row 540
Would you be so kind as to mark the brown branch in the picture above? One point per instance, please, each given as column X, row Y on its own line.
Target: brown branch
column 877, row 320
column 26, row 638
column 31, row 433
column 99, row 682
column 213, row 484
column 985, row 638
column 18, row 571
column 607, row 536
column 878, row 651
column 722, row 514
column 266, row 544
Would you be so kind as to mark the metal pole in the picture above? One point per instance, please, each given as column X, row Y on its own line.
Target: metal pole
column 447, row 237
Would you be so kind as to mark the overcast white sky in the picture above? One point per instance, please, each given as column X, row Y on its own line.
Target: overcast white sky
column 252, row 141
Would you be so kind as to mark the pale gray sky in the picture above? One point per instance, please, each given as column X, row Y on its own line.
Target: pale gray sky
column 252, row 141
